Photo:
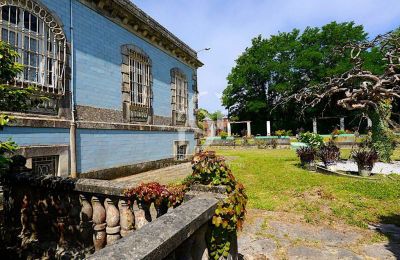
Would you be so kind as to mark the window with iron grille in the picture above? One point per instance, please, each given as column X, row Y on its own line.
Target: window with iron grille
column 40, row 42
column 181, row 152
column 139, row 79
column 179, row 96
column 45, row 165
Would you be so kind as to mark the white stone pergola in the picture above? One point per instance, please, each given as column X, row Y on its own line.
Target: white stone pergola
column 248, row 123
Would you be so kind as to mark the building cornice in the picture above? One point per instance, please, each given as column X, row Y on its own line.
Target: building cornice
column 132, row 18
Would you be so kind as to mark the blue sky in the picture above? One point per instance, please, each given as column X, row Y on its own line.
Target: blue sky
column 227, row 27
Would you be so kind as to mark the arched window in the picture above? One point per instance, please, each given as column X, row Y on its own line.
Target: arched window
column 137, row 82
column 40, row 42
column 179, row 87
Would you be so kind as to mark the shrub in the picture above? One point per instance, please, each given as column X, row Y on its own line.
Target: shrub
column 329, row 153
column 280, row 133
column 311, row 139
column 223, row 135
column 365, row 157
column 209, row 169
column 289, row 133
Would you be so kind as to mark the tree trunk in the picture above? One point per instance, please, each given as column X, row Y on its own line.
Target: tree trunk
column 383, row 139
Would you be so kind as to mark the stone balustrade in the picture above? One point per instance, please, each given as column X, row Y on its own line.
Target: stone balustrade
column 69, row 216
column 54, row 217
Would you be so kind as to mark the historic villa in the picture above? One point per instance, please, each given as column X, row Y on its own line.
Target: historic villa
column 122, row 90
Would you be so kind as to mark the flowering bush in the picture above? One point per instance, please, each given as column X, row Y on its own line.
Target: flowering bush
column 311, row 139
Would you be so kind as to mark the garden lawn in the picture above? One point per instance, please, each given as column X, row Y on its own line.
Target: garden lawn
column 274, row 181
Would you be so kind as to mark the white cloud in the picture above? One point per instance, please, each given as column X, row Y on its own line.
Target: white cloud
column 227, row 27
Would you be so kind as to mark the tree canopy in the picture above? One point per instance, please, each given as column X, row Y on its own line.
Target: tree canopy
column 277, row 66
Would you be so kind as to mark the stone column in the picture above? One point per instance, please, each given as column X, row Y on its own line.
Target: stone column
column 315, row 130
column 342, row 124
column 248, row 129
column 228, row 126
column 268, row 128
column 112, row 219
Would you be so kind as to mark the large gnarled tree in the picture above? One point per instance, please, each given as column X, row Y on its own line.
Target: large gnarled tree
column 359, row 88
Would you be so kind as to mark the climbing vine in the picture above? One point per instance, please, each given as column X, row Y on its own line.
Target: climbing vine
column 209, row 169
column 383, row 138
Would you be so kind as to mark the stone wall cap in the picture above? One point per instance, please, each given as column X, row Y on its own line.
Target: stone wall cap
column 159, row 238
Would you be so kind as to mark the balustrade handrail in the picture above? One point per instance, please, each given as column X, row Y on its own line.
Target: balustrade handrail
column 160, row 238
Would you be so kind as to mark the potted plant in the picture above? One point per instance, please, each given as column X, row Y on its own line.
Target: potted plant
column 365, row 159
column 307, row 157
column 329, row 154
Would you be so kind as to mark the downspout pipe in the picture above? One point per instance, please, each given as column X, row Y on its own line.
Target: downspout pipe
column 72, row 131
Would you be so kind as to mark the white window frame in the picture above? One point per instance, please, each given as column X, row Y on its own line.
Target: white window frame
column 47, row 59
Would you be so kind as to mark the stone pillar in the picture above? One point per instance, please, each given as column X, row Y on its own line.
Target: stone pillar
column 126, row 218
column 112, row 219
column 268, row 128
column 228, row 126
column 212, row 129
column 315, row 130
column 342, row 124
column 248, row 129
column 99, row 218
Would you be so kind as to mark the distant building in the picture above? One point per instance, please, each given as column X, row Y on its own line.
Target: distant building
column 122, row 89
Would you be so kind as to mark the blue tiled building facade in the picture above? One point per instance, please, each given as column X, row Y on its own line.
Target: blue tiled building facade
column 122, row 89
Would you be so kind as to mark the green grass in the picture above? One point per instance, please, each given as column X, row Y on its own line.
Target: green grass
column 274, row 181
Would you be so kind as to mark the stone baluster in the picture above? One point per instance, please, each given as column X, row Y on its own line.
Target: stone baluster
column 86, row 222
column 24, row 216
column 112, row 219
column 142, row 214
column 99, row 217
column 126, row 219
column 62, row 219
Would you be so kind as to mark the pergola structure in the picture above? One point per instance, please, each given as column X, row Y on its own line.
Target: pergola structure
column 239, row 122
column 315, row 128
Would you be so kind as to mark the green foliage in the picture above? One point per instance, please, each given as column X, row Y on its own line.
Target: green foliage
column 209, row 169
column 383, row 138
column 282, row 64
column 9, row 68
column 217, row 115
column 11, row 99
column 280, row 133
column 311, row 139
column 223, row 134
column 201, row 114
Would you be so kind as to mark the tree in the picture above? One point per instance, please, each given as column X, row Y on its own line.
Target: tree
column 361, row 88
column 217, row 115
column 281, row 65
column 11, row 99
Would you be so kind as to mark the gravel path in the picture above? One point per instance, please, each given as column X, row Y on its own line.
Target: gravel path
column 379, row 167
